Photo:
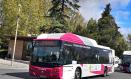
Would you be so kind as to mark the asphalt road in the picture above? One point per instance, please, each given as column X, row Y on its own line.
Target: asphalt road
column 23, row 74
column 115, row 75
column 14, row 74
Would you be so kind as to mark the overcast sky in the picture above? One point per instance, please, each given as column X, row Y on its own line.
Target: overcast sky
column 121, row 11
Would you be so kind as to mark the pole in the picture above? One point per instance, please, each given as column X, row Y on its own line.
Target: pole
column 17, row 25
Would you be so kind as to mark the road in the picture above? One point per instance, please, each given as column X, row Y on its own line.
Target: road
column 116, row 75
column 14, row 74
column 23, row 74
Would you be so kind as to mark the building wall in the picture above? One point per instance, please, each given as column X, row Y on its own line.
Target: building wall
column 19, row 49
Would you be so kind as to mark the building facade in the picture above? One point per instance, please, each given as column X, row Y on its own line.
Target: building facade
column 23, row 47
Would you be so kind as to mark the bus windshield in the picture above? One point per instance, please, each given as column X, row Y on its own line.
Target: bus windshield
column 46, row 55
column 127, row 59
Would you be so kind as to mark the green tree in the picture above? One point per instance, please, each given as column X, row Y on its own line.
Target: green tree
column 59, row 12
column 76, row 24
column 32, row 16
column 129, row 41
column 91, row 29
column 108, row 32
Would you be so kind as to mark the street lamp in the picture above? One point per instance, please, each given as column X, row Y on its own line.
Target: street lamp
column 17, row 25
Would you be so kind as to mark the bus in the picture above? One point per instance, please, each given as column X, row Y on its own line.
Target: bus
column 117, row 61
column 112, row 57
column 126, row 61
column 68, row 56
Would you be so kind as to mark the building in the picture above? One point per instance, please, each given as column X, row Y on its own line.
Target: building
column 23, row 47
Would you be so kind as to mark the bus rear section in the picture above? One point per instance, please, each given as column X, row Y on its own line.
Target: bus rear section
column 126, row 61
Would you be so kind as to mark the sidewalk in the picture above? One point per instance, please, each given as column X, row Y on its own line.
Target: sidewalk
column 17, row 64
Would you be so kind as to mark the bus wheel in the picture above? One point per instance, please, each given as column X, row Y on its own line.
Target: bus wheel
column 77, row 74
column 105, row 72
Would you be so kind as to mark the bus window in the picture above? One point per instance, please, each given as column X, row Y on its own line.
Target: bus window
column 67, row 52
column 103, row 56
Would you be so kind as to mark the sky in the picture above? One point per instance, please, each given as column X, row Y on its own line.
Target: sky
column 121, row 11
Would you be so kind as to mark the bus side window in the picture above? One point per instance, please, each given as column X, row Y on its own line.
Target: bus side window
column 75, row 54
column 88, row 56
column 103, row 56
column 67, row 54
column 95, row 55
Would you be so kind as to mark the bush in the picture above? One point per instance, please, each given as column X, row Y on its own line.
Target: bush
column 3, row 53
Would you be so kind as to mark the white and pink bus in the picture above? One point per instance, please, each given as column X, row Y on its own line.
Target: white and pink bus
column 126, row 61
column 68, row 56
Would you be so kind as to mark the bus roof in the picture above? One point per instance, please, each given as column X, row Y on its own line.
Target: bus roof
column 69, row 37
column 127, row 53
column 104, row 47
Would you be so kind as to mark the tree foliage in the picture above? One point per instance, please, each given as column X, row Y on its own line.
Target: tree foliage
column 129, row 41
column 76, row 24
column 60, row 16
column 31, row 16
column 57, row 11
column 60, row 12
column 91, row 29
column 109, row 34
column 129, row 37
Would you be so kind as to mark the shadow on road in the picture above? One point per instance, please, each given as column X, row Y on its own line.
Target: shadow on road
column 92, row 77
column 125, row 72
column 23, row 75
column 98, row 76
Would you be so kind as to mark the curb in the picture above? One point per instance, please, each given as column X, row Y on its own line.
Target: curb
column 6, row 64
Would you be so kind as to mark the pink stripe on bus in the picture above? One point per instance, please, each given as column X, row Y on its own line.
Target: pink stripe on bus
column 69, row 37
column 100, row 71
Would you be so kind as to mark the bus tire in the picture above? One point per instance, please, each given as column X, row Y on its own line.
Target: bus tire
column 105, row 72
column 77, row 73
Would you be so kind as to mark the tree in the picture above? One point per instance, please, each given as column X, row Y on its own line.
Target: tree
column 58, row 12
column 129, row 37
column 76, row 24
column 91, row 29
column 129, row 41
column 108, row 32
column 31, row 16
